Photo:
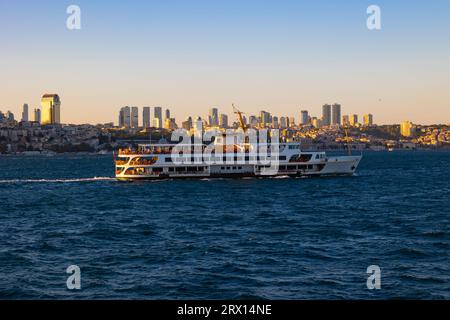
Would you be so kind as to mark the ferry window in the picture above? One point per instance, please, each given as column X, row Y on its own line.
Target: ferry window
column 168, row 159
column 157, row 169
column 180, row 169
column 222, row 168
column 282, row 158
column 292, row 167
column 240, row 168
column 171, row 170
column 310, row 166
column 282, row 167
column 228, row 168
column 317, row 156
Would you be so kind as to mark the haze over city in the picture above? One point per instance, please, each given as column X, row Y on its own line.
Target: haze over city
column 281, row 57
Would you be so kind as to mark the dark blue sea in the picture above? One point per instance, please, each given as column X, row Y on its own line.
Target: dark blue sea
column 307, row 238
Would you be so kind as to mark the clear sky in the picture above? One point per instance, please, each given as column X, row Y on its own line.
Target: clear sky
column 189, row 55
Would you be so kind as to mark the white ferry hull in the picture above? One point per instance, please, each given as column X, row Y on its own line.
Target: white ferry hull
column 333, row 166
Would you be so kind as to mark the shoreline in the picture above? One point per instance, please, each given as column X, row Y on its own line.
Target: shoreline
column 110, row 153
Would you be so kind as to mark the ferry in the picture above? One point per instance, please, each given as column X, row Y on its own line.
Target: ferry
column 157, row 161
column 239, row 159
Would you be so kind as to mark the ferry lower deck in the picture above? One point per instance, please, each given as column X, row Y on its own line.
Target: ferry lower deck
column 326, row 166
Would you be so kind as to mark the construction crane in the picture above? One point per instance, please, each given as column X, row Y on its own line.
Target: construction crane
column 241, row 118
column 347, row 139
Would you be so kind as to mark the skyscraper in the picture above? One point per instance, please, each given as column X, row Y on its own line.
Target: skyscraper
column 170, row 124
column 198, row 127
column 125, row 117
column 275, row 123
column 9, row 116
column 213, row 117
column 187, row 125
column 134, row 117
column 406, row 128
column 50, row 109
column 283, row 123
column 354, row 120
column 25, row 113
column 157, row 117
column 37, row 115
column 223, row 121
column 291, row 122
column 265, row 120
column 336, row 114
column 146, row 117
column 167, row 114
column 316, row 122
column 304, row 119
column 326, row 115
column 253, row 121
column 368, row 120
column 346, row 121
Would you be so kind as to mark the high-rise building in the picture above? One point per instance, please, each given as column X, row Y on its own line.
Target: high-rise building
column 346, row 121
column 354, row 120
column 304, row 119
column 37, row 115
column 326, row 115
column 253, row 121
column 265, row 120
column 291, row 122
column 167, row 114
column 336, row 114
column 50, row 109
column 9, row 116
column 316, row 122
column 198, row 127
column 146, row 117
column 170, row 124
column 157, row 117
column 283, row 123
column 406, row 128
column 187, row 125
column 368, row 120
column 275, row 123
column 134, row 117
column 25, row 113
column 223, row 121
column 125, row 117
column 213, row 117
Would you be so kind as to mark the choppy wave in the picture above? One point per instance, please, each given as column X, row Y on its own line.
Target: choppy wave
column 268, row 239
column 93, row 179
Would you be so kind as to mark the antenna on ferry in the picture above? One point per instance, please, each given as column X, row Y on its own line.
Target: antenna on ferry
column 241, row 119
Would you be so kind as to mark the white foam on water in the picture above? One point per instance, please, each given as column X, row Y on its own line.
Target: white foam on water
column 281, row 177
column 58, row 180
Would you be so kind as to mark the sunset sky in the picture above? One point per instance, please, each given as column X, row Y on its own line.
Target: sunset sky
column 190, row 55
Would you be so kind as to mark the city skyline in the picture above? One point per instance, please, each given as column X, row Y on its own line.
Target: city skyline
column 191, row 57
